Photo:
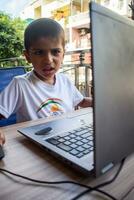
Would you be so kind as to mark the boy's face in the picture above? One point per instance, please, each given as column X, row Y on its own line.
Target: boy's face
column 46, row 55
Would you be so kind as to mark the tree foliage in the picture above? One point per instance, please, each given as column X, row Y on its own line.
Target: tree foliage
column 11, row 36
column 131, row 5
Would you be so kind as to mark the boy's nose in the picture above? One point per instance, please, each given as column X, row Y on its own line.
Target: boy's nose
column 48, row 58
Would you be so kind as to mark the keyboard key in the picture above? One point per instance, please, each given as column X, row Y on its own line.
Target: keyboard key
column 74, row 131
column 85, row 140
column 81, row 132
column 78, row 142
column 91, row 148
column 81, row 154
column 61, row 140
column 73, row 140
column 73, row 145
column 80, row 149
column 90, row 143
column 72, row 136
column 53, row 141
column 87, row 151
column 67, row 142
column 64, row 147
column 78, row 138
column 86, row 146
column 66, row 137
column 74, row 152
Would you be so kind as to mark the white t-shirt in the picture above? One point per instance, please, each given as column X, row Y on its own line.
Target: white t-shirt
column 30, row 98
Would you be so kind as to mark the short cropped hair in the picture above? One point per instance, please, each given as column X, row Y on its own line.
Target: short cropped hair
column 43, row 27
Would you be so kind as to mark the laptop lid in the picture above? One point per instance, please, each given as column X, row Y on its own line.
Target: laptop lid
column 113, row 83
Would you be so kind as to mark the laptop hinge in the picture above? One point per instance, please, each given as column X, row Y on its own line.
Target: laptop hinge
column 107, row 167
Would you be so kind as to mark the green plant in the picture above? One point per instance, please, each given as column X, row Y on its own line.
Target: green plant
column 11, row 36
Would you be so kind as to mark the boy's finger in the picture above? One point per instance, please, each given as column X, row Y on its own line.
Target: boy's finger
column 2, row 139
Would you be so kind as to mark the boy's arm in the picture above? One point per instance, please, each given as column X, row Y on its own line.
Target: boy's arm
column 86, row 102
column 2, row 136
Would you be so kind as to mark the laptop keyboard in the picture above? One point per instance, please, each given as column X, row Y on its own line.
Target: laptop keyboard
column 78, row 142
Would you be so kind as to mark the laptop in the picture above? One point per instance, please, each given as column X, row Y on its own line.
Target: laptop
column 98, row 138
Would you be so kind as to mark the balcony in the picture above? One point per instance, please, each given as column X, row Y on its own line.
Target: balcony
column 80, row 20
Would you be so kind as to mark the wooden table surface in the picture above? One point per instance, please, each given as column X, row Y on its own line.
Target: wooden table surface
column 27, row 158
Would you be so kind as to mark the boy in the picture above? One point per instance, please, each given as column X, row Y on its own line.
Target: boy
column 41, row 92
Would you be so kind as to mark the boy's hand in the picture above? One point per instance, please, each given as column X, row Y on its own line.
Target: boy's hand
column 2, row 138
column 86, row 102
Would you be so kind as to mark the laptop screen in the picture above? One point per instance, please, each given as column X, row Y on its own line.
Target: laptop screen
column 113, row 83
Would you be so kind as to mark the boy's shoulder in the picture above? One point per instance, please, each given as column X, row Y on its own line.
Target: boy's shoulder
column 65, row 80
column 63, row 76
column 24, row 77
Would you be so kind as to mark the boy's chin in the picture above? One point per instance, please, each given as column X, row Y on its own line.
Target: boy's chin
column 49, row 79
column 45, row 75
column 48, row 73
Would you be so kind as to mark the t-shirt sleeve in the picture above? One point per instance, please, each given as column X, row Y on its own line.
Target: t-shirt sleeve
column 74, row 92
column 9, row 99
column 77, row 96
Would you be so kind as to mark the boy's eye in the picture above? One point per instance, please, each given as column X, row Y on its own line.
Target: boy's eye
column 41, row 52
column 38, row 52
column 55, row 52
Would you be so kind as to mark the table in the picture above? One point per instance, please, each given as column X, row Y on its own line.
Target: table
column 27, row 158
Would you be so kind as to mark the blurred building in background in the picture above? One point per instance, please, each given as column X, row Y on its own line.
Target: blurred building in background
column 73, row 15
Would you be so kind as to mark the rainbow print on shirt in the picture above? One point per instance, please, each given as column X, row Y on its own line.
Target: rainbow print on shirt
column 54, row 105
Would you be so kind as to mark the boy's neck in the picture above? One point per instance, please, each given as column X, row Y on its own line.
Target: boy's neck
column 48, row 81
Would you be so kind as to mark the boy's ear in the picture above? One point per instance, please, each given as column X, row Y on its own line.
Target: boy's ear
column 27, row 56
column 63, row 57
column 63, row 53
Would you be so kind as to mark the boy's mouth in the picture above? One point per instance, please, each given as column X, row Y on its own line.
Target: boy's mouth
column 48, row 70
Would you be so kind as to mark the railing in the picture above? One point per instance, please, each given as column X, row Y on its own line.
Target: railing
column 16, row 61
column 79, row 73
